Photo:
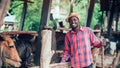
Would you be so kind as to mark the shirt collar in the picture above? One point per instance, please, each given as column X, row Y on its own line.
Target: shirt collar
column 80, row 29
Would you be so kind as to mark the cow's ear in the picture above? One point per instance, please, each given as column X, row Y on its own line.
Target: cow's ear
column 2, row 38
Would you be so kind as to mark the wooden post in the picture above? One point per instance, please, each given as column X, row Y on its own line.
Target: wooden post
column 46, row 53
column 111, row 18
column 4, row 4
column 117, row 20
column 116, row 60
column 105, row 23
column 102, row 57
column 44, row 19
column 90, row 12
column 71, row 6
column 23, row 15
column 102, row 48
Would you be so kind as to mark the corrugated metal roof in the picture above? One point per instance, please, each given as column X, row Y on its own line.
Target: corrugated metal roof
column 10, row 18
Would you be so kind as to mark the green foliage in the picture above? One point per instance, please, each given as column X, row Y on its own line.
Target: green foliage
column 118, row 66
column 96, row 15
column 32, row 16
column 51, row 22
column 34, row 12
column 65, row 5
column 16, row 7
column 81, row 7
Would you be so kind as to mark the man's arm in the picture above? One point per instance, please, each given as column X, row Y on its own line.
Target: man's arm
column 95, row 41
column 66, row 53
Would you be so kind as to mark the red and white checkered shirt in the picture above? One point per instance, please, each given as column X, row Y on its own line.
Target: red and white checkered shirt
column 78, row 47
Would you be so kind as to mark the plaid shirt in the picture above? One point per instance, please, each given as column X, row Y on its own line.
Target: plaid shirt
column 78, row 47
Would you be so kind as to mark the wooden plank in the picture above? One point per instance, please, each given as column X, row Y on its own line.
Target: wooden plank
column 59, row 51
column 36, row 33
column 20, row 32
column 57, row 65
column 96, row 30
column 60, row 65
column 67, row 29
column 116, row 32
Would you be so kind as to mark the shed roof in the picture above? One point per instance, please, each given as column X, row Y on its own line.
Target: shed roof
column 10, row 18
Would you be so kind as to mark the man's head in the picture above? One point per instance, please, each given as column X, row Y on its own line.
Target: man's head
column 73, row 20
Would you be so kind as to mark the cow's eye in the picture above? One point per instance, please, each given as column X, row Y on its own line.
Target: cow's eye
column 11, row 46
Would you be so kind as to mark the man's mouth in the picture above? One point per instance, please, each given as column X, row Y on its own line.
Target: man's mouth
column 73, row 24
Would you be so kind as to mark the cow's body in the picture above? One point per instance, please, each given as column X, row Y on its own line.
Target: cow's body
column 24, row 47
column 17, row 52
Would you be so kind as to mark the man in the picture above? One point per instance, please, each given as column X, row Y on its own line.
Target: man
column 78, row 43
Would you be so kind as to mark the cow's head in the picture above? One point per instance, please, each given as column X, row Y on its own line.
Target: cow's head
column 7, row 47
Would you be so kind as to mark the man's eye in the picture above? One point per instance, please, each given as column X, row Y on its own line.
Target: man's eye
column 75, row 19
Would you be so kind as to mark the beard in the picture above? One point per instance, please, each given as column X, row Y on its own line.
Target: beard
column 74, row 26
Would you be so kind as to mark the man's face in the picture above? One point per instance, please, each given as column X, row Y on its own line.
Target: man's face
column 73, row 21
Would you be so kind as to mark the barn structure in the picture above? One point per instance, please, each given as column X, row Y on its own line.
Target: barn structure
column 111, row 8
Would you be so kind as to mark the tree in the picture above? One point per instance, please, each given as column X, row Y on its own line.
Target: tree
column 33, row 14
column 81, row 7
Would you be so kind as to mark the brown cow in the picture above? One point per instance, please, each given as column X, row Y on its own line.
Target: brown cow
column 8, row 52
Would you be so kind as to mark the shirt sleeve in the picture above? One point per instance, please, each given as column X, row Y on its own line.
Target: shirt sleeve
column 66, row 54
column 95, row 41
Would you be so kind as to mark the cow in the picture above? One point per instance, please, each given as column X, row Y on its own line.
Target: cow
column 110, row 47
column 8, row 52
column 24, row 47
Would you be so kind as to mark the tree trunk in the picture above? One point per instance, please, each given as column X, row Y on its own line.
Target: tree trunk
column 71, row 6
column 111, row 19
column 90, row 12
column 23, row 15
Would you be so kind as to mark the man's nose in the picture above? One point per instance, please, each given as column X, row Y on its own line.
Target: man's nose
column 73, row 22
